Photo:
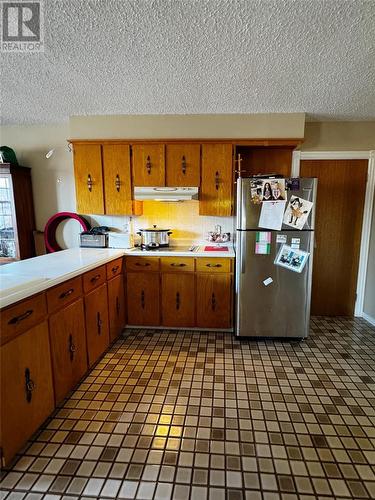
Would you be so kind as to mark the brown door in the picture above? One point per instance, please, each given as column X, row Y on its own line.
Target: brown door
column 116, row 306
column 26, row 387
column 143, row 298
column 97, row 325
column 68, row 348
column 339, row 213
column 89, row 178
column 148, row 165
column 216, row 196
column 183, row 165
column 214, row 300
column 117, row 179
column 178, row 301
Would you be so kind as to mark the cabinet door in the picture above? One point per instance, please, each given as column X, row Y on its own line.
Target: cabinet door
column 178, row 299
column 216, row 197
column 183, row 165
column 97, row 324
column 89, row 178
column 116, row 306
column 26, row 388
column 117, row 180
column 214, row 300
column 68, row 348
column 148, row 165
column 143, row 298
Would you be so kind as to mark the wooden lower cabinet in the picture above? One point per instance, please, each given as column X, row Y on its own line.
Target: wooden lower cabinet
column 97, row 324
column 143, row 298
column 178, row 291
column 26, row 388
column 68, row 348
column 116, row 306
column 214, row 300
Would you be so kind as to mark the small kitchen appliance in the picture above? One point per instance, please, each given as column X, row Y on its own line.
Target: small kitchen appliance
column 120, row 240
column 97, row 237
column 154, row 238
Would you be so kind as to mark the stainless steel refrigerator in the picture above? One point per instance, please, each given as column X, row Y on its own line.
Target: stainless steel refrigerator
column 270, row 300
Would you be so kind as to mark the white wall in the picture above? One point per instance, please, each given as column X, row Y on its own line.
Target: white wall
column 369, row 302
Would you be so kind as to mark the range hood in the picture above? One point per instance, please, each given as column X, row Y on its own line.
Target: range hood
column 166, row 193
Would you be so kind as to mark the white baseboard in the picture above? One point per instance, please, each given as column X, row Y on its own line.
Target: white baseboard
column 368, row 318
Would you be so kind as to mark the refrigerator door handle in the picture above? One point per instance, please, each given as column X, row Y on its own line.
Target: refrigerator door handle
column 243, row 252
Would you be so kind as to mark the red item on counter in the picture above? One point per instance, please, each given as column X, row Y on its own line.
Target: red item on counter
column 216, row 249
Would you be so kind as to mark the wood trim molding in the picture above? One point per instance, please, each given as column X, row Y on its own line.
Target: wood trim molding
column 292, row 143
column 368, row 318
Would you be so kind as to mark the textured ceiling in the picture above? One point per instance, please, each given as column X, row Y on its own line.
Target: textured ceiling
column 194, row 56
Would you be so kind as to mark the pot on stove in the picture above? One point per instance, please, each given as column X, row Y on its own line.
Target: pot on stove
column 153, row 238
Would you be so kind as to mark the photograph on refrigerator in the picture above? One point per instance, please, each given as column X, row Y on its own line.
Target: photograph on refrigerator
column 291, row 258
column 267, row 190
column 297, row 212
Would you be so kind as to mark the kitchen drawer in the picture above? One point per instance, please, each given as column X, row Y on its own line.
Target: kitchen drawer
column 63, row 294
column 94, row 278
column 142, row 264
column 114, row 268
column 213, row 265
column 22, row 316
column 177, row 264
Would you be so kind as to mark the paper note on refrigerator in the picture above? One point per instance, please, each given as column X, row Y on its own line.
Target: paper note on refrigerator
column 271, row 215
column 263, row 243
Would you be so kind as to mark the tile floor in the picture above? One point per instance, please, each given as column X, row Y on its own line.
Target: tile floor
column 203, row 415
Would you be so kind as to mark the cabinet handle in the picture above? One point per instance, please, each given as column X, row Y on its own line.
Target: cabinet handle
column 143, row 299
column 89, row 183
column 72, row 347
column 175, row 264
column 117, row 183
column 148, row 165
column 217, row 180
column 21, row 317
column 29, row 386
column 213, row 265
column 178, row 301
column 183, row 165
column 115, row 269
column 213, row 302
column 66, row 294
column 95, row 278
column 99, row 323
column 117, row 306
column 139, row 264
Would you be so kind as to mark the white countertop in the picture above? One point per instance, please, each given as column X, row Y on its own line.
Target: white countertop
column 24, row 278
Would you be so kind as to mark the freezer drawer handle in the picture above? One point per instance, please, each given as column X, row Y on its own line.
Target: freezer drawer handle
column 148, row 165
column 117, row 183
column 183, row 165
column 175, row 264
column 29, row 385
column 213, row 265
column 21, row 317
column 63, row 295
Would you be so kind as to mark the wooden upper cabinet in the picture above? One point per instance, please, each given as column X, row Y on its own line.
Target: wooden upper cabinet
column 216, row 196
column 183, row 165
column 89, row 178
column 117, row 179
column 148, row 165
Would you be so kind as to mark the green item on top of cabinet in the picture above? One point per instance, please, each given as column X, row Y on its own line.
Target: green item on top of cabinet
column 7, row 155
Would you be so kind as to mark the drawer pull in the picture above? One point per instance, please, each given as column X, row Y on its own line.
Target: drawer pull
column 148, row 165
column 89, row 183
column 99, row 323
column 117, row 183
column 213, row 302
column 95, row 278
column 143, row 299
column 66, row 294
column 175, row 264
column 29, row 385
column 213, row 265
column 178, row 301
column 21, row 317
column 115, row 269
column 139, row 264
column 217, row 181
column 72, row 347
column 117, row 306
column 183, row 165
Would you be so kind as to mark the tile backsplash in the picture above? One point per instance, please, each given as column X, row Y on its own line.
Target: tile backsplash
column 182, row 218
